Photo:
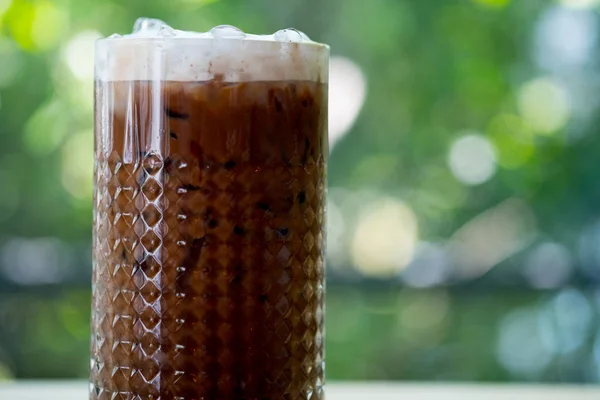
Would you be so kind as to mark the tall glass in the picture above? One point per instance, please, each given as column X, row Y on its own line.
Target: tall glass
column 210, row 180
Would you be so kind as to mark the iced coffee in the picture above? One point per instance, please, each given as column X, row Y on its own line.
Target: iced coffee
column 210, row 170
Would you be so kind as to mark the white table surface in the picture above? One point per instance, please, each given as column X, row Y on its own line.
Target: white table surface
column 25, row 390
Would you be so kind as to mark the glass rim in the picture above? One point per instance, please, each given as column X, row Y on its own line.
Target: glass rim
column 255, row 40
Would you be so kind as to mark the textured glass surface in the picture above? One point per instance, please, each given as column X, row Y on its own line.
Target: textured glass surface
column 208, row 252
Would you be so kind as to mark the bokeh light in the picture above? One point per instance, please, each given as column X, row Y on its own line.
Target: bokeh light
column 347, row 202
column 545, row 105
column 47, row 127
column 493, row 3
column 78, row 165
column 512, row 139
column 430, row 266
column 49, row 25
column 35, row 261
column 589, row 251
column 438, row 191
column 79, row 54
column 549, row 265
column 565, row 322
column 10, row 62
column 385, row 238
column 347, row 92
column 580, row 3
column 520, row 349
column 472, row 159
column 490, row 238
column 4, row 5
column 19, row 19
column 198, row 2
column 5, row 373
column 565, row 39
column 336, row 227
column 422, row 318
column 596, row 355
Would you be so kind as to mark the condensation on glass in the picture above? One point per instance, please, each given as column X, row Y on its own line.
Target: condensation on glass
column 210, row 177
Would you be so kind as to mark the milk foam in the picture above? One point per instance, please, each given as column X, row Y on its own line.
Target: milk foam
column 155, row 51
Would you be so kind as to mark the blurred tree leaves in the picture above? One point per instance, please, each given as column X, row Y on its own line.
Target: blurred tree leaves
column 434, row 70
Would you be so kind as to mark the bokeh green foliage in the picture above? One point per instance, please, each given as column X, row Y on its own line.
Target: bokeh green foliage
column 434, row 70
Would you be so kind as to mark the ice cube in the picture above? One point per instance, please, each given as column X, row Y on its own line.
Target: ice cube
column 150, row 27
column 290, row 35
column 227, row 32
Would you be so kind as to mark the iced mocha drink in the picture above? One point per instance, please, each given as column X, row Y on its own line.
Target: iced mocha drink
column 209, row 216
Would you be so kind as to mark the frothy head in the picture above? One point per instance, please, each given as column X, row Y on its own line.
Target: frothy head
column 156, row 51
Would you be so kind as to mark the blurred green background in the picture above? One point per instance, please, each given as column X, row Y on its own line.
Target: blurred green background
column 464, row 199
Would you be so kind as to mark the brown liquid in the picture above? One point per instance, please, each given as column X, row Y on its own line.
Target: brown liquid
column 208, row 249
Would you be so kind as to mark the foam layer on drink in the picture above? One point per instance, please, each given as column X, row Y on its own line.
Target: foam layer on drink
column 155, row 51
